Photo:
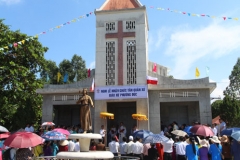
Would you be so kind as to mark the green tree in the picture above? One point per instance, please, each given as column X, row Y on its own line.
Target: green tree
column 74, row 67
column 49, row 74
column 216, row 108
column 20, row 63
column 230, row 111
column 233, row 90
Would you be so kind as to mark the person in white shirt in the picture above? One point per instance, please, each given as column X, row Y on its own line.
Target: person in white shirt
column 77, row 146
column 31, row 128
column 27, row 128
column 128, row 147
column 71, row 145
column 214, row 129
column 222, row 125
column 181, row 149
column 122, row 146
column 134, row 129
column 103, row 133
column 114, row 146
column 122, row 131
column 137, row 149
column 168, row 148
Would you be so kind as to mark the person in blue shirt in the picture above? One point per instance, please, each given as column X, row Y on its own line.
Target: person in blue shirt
column 54, row 148
column 191, row 150
column 215, row 148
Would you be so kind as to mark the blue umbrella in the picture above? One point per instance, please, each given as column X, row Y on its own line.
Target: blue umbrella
column 187, row 129
column 155, row 138
column 229, row 131
column 236, row 135
column 53, row 135
column 141, row 134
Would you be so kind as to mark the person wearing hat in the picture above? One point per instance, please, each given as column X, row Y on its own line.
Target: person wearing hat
column 226, row 147
column 128, row 146
column 152, row 152
column 191, row 150
column 203, row 151
column 63, row 145
column 215, row 148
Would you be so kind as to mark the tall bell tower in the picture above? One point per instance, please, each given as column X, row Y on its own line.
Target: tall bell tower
column 121, row 43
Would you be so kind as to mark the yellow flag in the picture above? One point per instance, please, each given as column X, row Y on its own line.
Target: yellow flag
column 23, row 41
column 197, row 73
column 58, row 76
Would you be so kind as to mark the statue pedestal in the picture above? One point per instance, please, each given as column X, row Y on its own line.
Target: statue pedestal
column 84, row 141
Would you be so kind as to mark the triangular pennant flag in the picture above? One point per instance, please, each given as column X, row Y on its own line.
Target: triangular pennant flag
column 224, row 18
column 6, row 47
column 36, row 36
column 10, row 45
column 235, row 19
column 15, row 44
column 189, row 14
column 27, row 39
column 23, row 41
column 20, row 43
column 32, row 38
column 154, row 67
column 1, row 49
column 87, row 15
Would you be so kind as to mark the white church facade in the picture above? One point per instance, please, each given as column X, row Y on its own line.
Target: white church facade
column 120, row 76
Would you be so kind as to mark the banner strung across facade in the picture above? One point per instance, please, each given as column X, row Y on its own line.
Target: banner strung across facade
column 120, row 92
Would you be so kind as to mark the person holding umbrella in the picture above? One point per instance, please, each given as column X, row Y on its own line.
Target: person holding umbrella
column 226, row 147
column 23, row 154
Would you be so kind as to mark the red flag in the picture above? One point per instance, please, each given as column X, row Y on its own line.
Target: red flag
column 154, row 67
column 89, row 72
column 92, row 87
column 152, row 80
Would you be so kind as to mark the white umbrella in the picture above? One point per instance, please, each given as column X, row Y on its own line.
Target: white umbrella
column 3, row 129
column 48, row 124
column 179, row 133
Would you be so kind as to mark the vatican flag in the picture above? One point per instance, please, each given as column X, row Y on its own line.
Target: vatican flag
column 197, row 73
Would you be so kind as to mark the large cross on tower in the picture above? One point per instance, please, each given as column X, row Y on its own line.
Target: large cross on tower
column 120, row 35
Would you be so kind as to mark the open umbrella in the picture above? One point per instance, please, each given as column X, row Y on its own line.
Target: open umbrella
column 63, row 131
column 155, row 138
column 48, row 124
column 53, row 135
column 3, row 129
column 229, row 131
column 179, row 133
column 4, row 135
column 23, row 140
column 141, row 133
column 202, row 130
column 236, row 135
column 187, row 129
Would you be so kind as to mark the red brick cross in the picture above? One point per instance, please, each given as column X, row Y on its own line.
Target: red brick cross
column 120, row 35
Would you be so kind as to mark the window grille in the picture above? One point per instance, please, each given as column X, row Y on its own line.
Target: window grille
column 130, row 25
column 110, row 63
column 110, row 26
column 131, row 62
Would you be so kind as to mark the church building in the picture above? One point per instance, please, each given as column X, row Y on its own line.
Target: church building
column 126, row 82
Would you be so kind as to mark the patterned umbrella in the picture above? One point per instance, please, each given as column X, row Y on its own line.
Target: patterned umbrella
column 236, row 135
column 53, row 135
column 3, row 129
column 229, row 131
column 141, row 134
column 155, row 138
column 63, row 131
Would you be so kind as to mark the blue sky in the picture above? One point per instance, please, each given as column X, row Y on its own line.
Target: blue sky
column 177, row 41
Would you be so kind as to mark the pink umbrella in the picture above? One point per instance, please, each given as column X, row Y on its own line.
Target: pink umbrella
column 4, row 135
column 63, row 131
column 202, row 130
column 23, row 140
column 48, row 124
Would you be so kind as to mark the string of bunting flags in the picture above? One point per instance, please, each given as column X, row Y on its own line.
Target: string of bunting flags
column 15, row 44
column 194, row 14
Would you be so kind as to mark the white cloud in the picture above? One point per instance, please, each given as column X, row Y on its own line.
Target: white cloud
column 92, row 65
column 9, row 2
column 221, row 86
column 185, row 46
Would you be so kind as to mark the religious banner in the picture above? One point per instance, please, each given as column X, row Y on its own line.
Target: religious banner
column 121, row 92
